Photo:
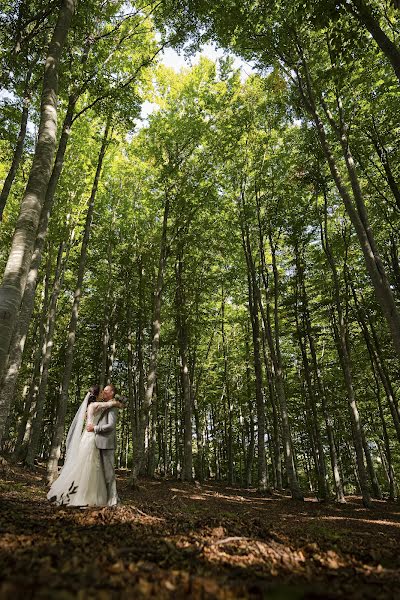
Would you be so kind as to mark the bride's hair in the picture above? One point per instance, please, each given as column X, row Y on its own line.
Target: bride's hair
column 94, row 391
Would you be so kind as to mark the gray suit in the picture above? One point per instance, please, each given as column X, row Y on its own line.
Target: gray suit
column 105, row 440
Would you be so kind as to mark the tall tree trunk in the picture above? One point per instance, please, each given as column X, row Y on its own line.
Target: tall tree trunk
column 52, row 465
column 46, row 358
column 227, row 395
column 341, row 339
column 357, row 212
column 132, row 392
column 278, row 367
column 377, row 362
column 327, row 418
column 28, row 300
column 388, row 450
column 376, row 489
column 249, row 448
column 151, row 454
column 275, row 375
column 139, row 344
column 19, row 147
column 395, row 262
column 109, row 307
column 16, row 271
column 182, row 331
column 301, row 330
column 25, row 431
column 199, row 467
column 253, row 293
column 156, row 328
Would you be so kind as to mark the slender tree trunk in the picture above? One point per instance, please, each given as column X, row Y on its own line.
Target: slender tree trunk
column 314, row 423
column 377, row 362
column 182, row 331
column 275, row 437
column 178, row 462
column 152, row 372
column 46, row 358
column 328, row 419
column 357, row 212
column 16, row 271
column 19, row 147
column 377, row 493
column 52, row 466
column 199, row 468
column 151, row 454
column 395, row 261
column 28, row 301
column 24, row 426
column 249, row 449
column 25, row 429
column 340, row 333
column 388, row 450
column 104, row 346
column 341, row 344
column 255, row 326
column 227, row 395
column 109, row 308
column 276, row 357
column 139, row 344
column 130, row 377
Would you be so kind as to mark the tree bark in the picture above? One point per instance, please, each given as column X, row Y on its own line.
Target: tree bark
column 376, row 489
column 25, row 427
column 388, row 450
column 278, row 368
column 182, row 334
column 153, row 363
column 28, row 301
column 199, row 466
column 46, row 358
column 328, row 419
column 301, row 331
column 249, row 448
column 16, row 271
column 341, row 339
column 357, row 212
column 377, row 362
column 253, row 293
column 227, row 396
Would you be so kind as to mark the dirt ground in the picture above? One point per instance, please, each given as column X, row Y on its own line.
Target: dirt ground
column 177, row 540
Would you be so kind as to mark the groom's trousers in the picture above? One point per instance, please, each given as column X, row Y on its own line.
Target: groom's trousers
column 107, row 460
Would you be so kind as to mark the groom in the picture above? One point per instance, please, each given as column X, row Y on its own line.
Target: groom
column 105, row 440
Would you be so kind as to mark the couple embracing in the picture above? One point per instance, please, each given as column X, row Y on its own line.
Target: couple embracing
column 88, row 475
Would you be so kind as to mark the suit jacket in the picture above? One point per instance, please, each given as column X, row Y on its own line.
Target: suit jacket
column 105, row 436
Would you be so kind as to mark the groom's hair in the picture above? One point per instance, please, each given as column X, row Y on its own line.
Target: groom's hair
column 112, row 386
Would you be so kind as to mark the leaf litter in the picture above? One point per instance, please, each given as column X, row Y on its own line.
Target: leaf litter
column 179, row 540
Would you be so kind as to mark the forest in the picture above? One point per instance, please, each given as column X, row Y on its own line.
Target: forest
column 222, row 245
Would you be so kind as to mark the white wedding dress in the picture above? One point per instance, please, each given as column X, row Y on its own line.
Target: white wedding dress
column 81, row 480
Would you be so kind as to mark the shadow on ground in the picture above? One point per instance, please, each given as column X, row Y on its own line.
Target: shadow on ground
column 176, row 540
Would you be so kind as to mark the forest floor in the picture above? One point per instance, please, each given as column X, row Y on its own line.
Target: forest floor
column 178, row 540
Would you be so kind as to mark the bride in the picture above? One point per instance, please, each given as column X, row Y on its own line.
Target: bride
column 81, row 480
